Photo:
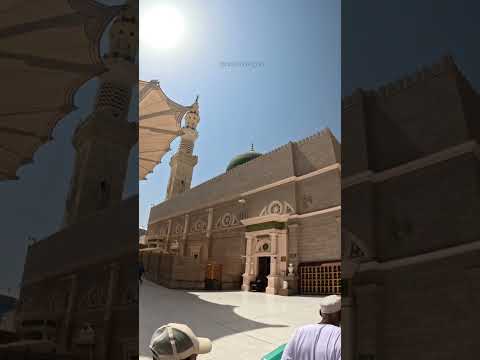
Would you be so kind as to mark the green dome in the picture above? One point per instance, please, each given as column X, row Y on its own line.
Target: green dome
column 242, row 159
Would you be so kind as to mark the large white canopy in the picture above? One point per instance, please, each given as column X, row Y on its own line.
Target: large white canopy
column 48, row 49
column 159, row 124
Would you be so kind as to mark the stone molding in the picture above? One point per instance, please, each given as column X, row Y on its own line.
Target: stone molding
column 332, row 209
column 266, row 218
column 418, row 164
column 294, row 179
column 420, row 259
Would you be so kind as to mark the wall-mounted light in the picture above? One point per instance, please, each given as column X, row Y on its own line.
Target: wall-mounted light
column 242, row 201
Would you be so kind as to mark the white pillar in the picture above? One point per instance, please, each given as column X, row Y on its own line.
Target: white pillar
column 273, row 266
column 209, row 222
column 274, row 239
column 248, row 275
column 273, row 278
column 206, row 253
column 185, row 233
column 169, row 229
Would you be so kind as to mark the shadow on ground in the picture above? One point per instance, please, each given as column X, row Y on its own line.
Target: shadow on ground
column 206, row 319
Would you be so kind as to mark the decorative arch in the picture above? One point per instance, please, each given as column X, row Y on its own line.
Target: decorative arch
column 178, row 228
column 277, row 207
column 226, row 220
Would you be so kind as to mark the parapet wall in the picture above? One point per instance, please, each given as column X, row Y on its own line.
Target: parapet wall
column 410, row 118
column 426, row 73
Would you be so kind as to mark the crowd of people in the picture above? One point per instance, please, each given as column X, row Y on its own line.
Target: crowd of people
column 320, row 341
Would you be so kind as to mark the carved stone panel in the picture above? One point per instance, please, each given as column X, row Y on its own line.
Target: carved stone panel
column 199, row 225
column 226, row 220
column 277, row 208
column 263, row 244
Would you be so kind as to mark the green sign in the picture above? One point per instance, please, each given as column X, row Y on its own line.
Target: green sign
column 266, row 225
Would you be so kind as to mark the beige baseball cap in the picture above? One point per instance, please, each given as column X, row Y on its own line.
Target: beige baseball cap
column 177, row 341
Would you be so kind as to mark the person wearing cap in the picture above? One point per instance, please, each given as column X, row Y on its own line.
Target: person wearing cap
column 177, row 342
column 319, row 341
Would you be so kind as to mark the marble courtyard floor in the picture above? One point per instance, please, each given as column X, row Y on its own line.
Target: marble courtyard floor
column 242, row 325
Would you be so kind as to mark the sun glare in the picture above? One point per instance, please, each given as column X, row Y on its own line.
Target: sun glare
column 161, row 27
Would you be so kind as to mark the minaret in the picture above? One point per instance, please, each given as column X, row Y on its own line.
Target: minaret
column 104, row 140
column 183, row 162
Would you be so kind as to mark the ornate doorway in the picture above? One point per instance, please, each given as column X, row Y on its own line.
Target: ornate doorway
column 266, row 257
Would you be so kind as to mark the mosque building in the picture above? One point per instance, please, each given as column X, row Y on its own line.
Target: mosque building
column 270, row 218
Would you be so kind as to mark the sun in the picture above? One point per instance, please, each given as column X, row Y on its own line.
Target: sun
column 161, row 27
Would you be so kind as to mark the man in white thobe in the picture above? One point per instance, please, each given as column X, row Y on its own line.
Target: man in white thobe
column 318, row 341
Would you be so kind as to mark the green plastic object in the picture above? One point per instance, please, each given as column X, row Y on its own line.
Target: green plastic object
column 275, row 354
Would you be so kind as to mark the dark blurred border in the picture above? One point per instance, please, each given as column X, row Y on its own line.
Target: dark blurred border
column 410, row 179
column 69, row 82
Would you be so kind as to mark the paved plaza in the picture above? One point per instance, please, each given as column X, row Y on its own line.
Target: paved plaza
column 242, row 325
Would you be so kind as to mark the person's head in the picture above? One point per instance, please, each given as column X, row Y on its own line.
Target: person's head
column 330, row 310
column 177, row 342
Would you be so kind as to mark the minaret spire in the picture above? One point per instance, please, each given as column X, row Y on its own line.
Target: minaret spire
column 183, row 162
column 103, row 141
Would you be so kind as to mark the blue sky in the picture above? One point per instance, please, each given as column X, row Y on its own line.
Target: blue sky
column 293, row 93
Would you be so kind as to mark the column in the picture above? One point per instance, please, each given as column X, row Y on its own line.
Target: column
column 248, row 275
column 112, row 288
column 209, row 222
column 292, row 245
column 273, row 278
column 167, row 241
column 72, row 297
column 205, row 254
column 185, row 232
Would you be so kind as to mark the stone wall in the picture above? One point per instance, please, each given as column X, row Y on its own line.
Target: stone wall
column 67, row 278
column 227, row 249
column 263, row 170
column 51, row 297
column 410, row 197
column 319, row 238
column 436, row 294
column 89, row 241
column 318, row 193
column 315, row 152
column 179, row 272
column 415, row 214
